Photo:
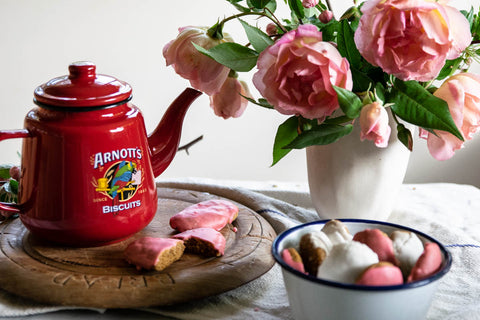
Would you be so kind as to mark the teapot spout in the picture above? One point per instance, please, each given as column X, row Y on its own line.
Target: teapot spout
column 163, row 142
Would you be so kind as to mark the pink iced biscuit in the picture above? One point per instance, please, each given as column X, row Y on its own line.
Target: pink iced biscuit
column 379, row 242
column 428, row 263
column 207, row 214
column 381, row 274
column 293, row 259
column 153, row 253
column 207, row 242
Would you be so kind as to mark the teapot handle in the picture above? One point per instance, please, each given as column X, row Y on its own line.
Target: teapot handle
column 12, row 134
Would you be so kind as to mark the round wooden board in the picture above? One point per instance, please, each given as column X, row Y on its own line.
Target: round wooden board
column 100, row 277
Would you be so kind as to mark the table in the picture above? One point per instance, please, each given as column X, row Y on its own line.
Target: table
column 448, row 212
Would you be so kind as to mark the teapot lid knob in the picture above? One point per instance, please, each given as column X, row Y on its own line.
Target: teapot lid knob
column 82, row 71
column 81, row 88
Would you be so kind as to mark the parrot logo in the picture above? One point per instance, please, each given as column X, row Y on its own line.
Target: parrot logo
column 120, row 182
column 122, row 178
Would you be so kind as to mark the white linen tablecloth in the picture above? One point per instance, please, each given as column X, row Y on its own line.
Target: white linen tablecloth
column 448, row 212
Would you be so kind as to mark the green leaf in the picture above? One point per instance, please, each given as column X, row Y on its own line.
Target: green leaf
column 13, row 186
column 216, row 31
column 380, row 92
column 349, row 102
column 232, row 55
column 258, row 4
column 239, row 7
column 329, row 30
column 311, row 12
column 259, row 39
column 449, row 68
column 286, row 132
column 474, row 21
column 338, row 120
column 270, row 5
column 469, row 15
column 405, row 136
column 414, row 104
column 321, row 7
column 261, row 102
column 363, row 73
column 264, row 103
column 5, row 172
column 320, row 135
column 297, row 8
column 346, row 44
column 361, row 81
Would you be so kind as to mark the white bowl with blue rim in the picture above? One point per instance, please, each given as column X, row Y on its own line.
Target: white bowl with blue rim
column 314, row 298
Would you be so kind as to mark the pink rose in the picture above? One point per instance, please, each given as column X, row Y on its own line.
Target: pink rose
column 309, row 3
column 297, row 73
column 411, row 39
column 204, row 73
column 374, row 124
column 228, row 102
column 326, row 16
column 15, row 173
column 462, row 93
column 272, row 29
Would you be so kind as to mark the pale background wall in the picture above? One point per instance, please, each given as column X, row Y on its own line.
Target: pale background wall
column 125, row 39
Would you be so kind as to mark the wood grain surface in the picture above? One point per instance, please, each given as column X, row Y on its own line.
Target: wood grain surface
column 100, row 277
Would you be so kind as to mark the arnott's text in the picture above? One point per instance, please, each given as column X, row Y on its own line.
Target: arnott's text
column 102, row 158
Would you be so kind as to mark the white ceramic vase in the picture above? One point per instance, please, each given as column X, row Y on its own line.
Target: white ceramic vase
column 355, row 179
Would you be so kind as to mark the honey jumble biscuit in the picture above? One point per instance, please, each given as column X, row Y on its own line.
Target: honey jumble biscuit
column 206, row 242
column 314, row 247
column 153, row 253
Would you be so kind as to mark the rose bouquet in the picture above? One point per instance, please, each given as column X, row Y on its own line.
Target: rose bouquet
column 405, row 60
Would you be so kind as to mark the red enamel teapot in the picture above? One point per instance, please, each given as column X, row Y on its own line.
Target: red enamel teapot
column 88, row 166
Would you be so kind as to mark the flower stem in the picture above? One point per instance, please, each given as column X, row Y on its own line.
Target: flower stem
column 329, row 6
column 275, row 20
column 239, row 15
column 261, row 14
column 428, row 84
column 188, row 145
column 214, row 31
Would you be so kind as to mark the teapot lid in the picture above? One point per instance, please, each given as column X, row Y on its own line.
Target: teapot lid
column 83, row 87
